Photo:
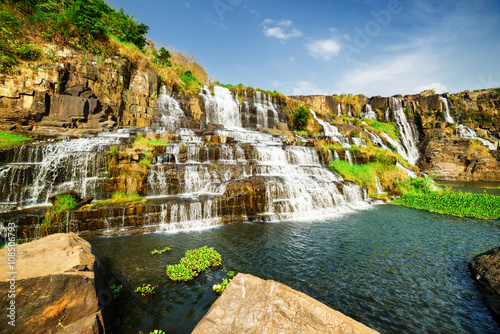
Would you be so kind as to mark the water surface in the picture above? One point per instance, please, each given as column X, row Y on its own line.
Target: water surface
column 395, row 269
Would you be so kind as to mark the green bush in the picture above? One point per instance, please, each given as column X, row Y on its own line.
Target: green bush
column 301, row 116
column 163, row 57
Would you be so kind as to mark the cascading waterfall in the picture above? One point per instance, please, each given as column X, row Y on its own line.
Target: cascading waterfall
column 446, row 110
column 468, row 133
column 332, row 131
column 339, row 110
column 369, row 113
column 408, row 134
column 41, row 169
column 380, row 190
column 348, row 157
column 222, row 108
column 170, row 111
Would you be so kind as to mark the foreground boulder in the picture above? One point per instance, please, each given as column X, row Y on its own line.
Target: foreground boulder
column 485, row 269
column 58, row 281
column 253, row 305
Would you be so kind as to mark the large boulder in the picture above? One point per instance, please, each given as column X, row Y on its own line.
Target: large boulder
column 253, row 305
column 485, row 269
column 58, row 281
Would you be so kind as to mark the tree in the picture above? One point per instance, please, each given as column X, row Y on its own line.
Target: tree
column 301, row 116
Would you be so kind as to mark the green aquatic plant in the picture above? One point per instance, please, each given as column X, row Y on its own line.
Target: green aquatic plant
column 161, row 251
column 193, row 263
column 219, row 288
column 115, row 290
column 456, row 203
column 146, row 290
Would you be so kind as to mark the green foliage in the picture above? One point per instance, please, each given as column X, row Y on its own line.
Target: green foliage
column 115, row 290
column 117, row 198
column 302, row 132
column 163, row 56
column 301, row 116
column 56, row 215
column 429, row 112
column 9, row 139
column 193, row 263
column 190, row 82
column 379, row 127
column 491, row 188
column 124, row 27
column 219, row 288
column 456, row 203
column 161, row 251
column 146, row 290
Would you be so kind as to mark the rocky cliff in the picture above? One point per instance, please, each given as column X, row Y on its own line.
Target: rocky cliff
column 458, row 134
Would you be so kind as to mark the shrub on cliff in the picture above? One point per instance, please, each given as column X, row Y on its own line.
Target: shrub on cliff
column 301, row 116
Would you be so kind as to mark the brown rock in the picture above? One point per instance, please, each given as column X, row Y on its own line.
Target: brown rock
column 59, row 282
column 253, row 305
column 485, row 269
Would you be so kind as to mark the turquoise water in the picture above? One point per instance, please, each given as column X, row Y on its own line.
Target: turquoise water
column 395, row 269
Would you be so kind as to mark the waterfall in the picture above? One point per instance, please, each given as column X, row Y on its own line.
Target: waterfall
column 409, row 172
column 468, row 133
column 222, row 108
column 446, row 110
column 339, row 110
column 408, row 134
column 380, row 190
column 332, row 131
column 265, row 109
column 348, row 156
column 369, row 113
column 169, row 108
column 41, row 169
column 336, row 155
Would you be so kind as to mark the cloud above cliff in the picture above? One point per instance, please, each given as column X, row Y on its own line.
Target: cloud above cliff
column 324, row 48
column 282, row 30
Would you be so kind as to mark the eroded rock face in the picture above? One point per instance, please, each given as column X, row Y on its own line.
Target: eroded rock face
column 253, row 305
column 58, row 283
column 485, row 269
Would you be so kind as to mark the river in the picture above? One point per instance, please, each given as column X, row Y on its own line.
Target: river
column 395, row 269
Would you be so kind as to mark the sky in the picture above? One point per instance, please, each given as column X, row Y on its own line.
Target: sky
column 366, row 47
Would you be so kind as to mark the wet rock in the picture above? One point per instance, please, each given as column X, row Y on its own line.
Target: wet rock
column 252, row 305
column 51, row 294
column 485, row 269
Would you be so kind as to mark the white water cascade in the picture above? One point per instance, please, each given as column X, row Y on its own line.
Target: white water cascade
column 408, row 134
column 468, row 133
column 171, row 112
column 41, row 169
column 446, row 110
column 380, row 190
column 369, row 113
column 332, row 131
column 222, row 108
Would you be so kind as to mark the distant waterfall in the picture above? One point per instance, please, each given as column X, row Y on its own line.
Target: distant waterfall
column 332, row 131
column 446, row 110
column 369, row 113
column 170, row 111
column 468, row 133
column 408, row 134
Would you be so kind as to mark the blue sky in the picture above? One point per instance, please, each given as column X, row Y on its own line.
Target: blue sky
column 331, row 47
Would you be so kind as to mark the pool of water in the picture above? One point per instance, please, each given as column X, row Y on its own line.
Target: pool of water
column 395, row 269
column 478, row 187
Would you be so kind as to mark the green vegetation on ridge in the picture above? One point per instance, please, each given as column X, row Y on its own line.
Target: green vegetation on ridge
column 9, row 139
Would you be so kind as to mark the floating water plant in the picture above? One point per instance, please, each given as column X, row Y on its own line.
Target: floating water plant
column 456, row 203
column 219, row 288
column 161, row 251
column 193, row 263
column 146, row 290
column 115, row 290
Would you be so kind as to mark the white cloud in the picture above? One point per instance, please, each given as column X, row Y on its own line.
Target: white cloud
column 281, row 30
column 299, row 88
column 324, row 48
column 188, row 5
column 437, row 86
column 399, row 74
